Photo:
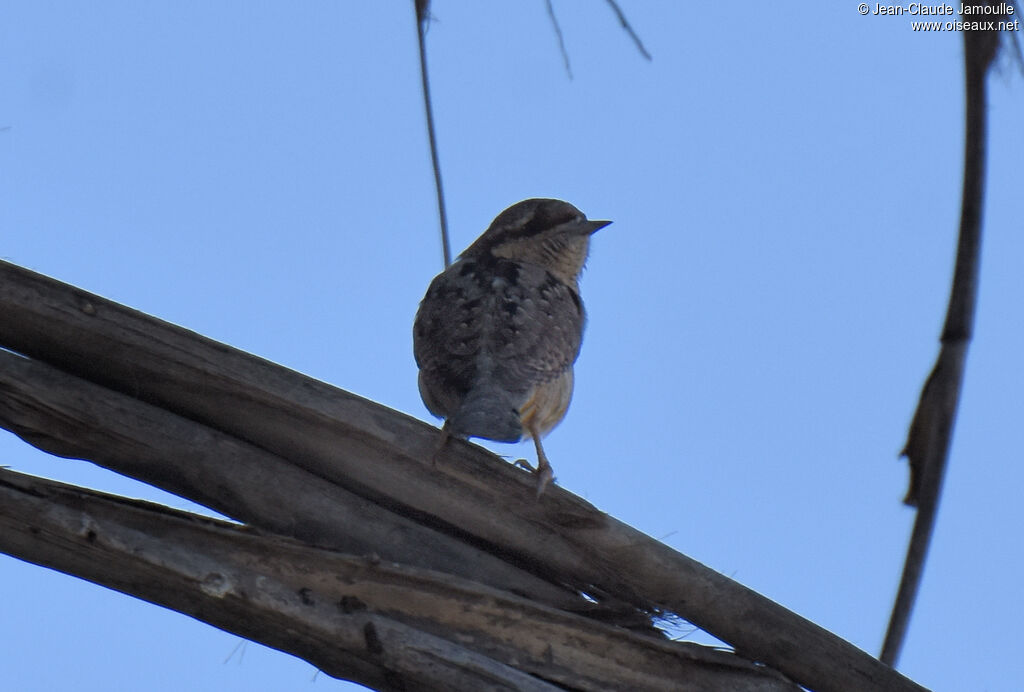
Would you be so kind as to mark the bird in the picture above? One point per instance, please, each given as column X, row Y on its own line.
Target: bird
column 498, row 331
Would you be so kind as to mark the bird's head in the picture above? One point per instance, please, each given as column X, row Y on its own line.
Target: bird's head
column 546, row 232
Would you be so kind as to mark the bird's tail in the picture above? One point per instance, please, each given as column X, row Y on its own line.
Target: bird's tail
column 489, row 414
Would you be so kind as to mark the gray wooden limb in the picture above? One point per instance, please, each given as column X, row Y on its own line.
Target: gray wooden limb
column 384, row 456
column 70, row 417
column 931, row 429
column 379, row 623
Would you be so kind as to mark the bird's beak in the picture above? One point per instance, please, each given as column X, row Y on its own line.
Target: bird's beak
column 594, row 226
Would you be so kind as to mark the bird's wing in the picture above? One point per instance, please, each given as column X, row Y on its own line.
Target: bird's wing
column 538, row 325
column 447, row 338
column 497, row 325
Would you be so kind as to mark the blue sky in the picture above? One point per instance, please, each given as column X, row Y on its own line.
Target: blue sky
column 784, row 181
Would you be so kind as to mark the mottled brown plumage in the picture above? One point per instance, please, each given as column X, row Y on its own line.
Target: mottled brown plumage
column 498, row 331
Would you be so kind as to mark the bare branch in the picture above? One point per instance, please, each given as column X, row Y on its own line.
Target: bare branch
column 70, row 417
column 931, row 430
column 629, row 29
column 561, row 39
column 422, row 17
column 379, row 623
column 383, row 455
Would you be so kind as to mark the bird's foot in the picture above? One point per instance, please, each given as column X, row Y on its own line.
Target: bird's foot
column 543, row 472
column 439, row 447
column 544, row 477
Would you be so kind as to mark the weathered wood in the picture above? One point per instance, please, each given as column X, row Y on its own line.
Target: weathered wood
column 70, row 417
column 384, row 456
column 375, row 622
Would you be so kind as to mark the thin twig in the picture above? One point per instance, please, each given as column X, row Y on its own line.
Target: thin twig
column 422, row 17
column 629, row 29
column 928, row 442
column 561, row 39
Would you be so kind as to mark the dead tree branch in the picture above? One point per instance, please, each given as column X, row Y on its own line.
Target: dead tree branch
column 628, row 28
column 561, row 39
column 422, row 8
column 381, row 624
column 70, row 417
column 931, row 430
column 383, row 456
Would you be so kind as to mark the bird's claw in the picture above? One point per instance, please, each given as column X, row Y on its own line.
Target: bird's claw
column 543, row 472
column 523, row 464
